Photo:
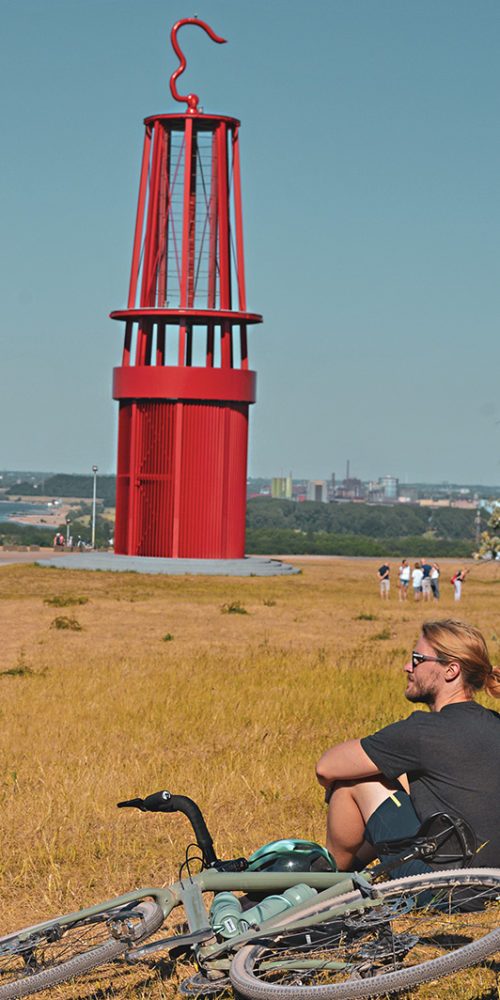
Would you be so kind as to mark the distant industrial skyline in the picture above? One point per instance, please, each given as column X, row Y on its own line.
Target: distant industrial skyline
column 11, row 476
column 370, row 164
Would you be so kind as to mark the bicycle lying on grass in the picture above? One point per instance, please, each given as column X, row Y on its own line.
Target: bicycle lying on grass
column 315, row 934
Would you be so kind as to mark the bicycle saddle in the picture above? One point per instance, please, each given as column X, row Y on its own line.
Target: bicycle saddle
column 443, row 839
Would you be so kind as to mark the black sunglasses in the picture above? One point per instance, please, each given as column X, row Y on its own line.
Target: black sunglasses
column 417, row 658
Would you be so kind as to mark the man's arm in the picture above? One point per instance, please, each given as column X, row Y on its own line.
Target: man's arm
column 344, row 762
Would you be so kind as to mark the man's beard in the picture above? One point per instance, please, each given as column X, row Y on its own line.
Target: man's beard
column 423, row 695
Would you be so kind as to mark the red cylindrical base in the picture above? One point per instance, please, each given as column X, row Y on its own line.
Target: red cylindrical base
column 181, row 487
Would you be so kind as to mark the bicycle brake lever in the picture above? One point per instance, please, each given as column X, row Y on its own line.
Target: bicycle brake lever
column 158, row 802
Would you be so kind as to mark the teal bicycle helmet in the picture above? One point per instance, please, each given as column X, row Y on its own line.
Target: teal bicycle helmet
column 291, row 856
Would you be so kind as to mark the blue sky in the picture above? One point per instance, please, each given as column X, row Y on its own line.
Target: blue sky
column 370, row 160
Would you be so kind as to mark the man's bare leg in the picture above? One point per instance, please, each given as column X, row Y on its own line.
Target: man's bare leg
column 350, row 806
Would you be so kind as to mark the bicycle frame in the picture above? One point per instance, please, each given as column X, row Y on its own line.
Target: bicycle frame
column 189, row 893
column 218, row 955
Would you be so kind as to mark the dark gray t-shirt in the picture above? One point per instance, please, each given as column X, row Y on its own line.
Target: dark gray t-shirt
column 452, row 760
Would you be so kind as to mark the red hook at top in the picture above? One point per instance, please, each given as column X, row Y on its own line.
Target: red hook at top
column 191, row 99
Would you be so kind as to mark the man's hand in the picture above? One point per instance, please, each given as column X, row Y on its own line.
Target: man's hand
column 328, row 793
column 344, row 762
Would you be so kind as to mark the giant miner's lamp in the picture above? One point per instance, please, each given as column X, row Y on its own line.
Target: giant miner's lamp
column 184, row 386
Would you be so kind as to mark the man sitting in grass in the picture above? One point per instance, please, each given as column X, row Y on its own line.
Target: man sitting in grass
column 382, row 787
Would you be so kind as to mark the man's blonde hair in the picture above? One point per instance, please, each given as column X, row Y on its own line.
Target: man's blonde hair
column 455, row 640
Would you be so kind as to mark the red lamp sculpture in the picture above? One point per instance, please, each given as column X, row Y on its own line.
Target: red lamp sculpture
column 184, row 386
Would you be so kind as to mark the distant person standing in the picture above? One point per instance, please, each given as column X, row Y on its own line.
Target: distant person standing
column 404, row 579
column 426, row 580
column 457, row 581
column 416, row 577
column 435, row 574
column 383, row 574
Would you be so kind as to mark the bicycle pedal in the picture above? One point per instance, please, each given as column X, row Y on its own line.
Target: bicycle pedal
column 199, row 985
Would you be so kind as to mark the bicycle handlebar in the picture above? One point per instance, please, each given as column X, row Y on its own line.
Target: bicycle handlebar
column 166, row 802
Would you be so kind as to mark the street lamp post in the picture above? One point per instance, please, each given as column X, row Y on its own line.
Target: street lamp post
column 68, row 522
column 478, row 525
column 94, row 500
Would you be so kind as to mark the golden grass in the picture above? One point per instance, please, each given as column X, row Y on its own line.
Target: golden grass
column 232, row 711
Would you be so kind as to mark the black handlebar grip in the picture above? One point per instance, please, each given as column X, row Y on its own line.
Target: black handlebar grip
column 160, row 802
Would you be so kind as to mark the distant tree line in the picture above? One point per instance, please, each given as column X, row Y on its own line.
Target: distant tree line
column 375, row 521
column 263, row 542
column 25, row 534
column 62, row 485
column 12, row 533
column 358, row 529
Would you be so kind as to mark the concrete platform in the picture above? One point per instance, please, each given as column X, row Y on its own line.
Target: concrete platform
column 109, row 562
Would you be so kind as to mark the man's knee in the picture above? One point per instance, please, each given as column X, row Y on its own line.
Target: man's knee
column 367, row 794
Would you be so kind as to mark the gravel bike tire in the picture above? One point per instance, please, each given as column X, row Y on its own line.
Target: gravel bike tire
column 109, row 949
column 244, row 972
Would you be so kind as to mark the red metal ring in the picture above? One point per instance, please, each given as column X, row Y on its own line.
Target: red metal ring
column 211, row 384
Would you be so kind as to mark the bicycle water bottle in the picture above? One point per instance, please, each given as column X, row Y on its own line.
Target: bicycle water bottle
column 228, row 918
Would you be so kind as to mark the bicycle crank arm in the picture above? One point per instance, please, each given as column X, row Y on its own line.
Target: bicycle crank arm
column 170, row 943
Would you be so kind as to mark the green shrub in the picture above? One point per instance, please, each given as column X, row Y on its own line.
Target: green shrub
column 21, row 668
column 65, row 602
column 20, row 671
column 63, row 622
column 384, row 634
column 234, row 608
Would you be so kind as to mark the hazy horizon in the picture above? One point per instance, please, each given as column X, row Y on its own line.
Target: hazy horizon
column 256, row 476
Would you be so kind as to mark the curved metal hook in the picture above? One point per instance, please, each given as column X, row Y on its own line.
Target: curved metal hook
column 191, row 99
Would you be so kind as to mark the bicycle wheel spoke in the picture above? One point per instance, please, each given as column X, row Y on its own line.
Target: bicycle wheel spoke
column 404, row 931
column 36, row 959
column 49, row 948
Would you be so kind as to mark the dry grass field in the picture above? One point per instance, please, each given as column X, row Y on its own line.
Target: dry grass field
column 161, row 687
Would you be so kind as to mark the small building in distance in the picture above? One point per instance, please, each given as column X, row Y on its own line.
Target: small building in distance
column 390, row 487
column 350, row 489
column 282, row 487
column 384, row 490
column 457, row 503
column 317, row 489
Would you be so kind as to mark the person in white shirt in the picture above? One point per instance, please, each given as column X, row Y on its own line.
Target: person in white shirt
column 417, row 575
column 404, row 579
column 435, row 574
column 457, row 581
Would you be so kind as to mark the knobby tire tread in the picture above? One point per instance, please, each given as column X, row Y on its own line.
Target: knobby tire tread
column 77, row 966
column 246, row 984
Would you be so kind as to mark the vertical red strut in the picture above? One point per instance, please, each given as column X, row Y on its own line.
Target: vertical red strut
column 183, row 420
